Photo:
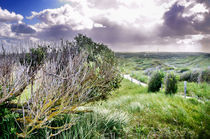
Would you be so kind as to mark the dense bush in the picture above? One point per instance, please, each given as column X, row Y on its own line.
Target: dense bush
column 171, row 84
column 196, row 76
column 205, row 75
column 155, row 81
column 185, row 76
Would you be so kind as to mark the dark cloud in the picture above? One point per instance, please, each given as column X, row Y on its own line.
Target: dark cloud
column 123, row 25
column 204, row 26
column 175, row 24
column 205, row 44
column 56, row 32
column 115, row 34
column 22, row 28
column 206, row 2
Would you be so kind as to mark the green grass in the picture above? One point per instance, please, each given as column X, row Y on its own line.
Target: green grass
column 131, row 112
column 139, row 76
column 201, row 90
column 159, row 115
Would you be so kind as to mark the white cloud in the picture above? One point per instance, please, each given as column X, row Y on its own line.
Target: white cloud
column 5, row 31
column 119, row 23
column 6, row 16
column 65, row 15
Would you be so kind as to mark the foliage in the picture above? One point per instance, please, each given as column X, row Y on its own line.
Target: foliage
column 205, row 75
column 101, row 122
column 13, row 78
column 7, row 123
column 61, row 78
column 171, row 84
column 155, row 81
column 196, row 76
column 104, row 59
column 34, row 58
column 186, row 76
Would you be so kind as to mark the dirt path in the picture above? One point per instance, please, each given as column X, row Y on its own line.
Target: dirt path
column 134, row 80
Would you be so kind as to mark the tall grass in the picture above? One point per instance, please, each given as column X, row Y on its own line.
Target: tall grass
column 130, row 112
column 201, row 90
column 158, row 115
column 100, row 123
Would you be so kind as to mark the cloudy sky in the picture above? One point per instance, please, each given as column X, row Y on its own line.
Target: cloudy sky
column 124, row 25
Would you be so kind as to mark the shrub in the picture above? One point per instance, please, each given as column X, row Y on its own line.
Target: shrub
column 105, row 62
column 184, row 70
column 171, row 84
column 185, row 76
column 205, row 76
column 196, row 76
column 34, row 58
column 64, row 78
column 155, row 81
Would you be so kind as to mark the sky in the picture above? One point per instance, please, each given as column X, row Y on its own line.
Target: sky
column 123, row 25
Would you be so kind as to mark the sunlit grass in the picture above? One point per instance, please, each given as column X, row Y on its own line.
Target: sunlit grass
column 159, row 115
column 134, row 113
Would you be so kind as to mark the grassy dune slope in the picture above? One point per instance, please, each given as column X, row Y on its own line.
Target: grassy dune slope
column 158, row 115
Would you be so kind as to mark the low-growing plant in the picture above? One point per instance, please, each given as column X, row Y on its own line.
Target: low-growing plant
column 155, row 81
column 7, row 123
column 171, row 84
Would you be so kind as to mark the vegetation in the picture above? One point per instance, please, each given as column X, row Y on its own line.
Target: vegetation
column 158, row 115
column 75, row 91
column 171, row 84
column 61, row 80
column 155, row 82
column 141, row 65
column 131, row 112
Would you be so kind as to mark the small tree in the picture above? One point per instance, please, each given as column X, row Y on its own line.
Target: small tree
column 171, row 84
column 155, row 81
